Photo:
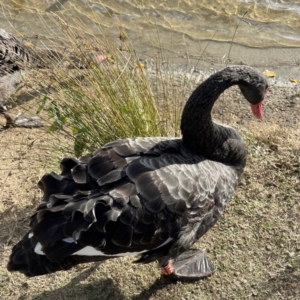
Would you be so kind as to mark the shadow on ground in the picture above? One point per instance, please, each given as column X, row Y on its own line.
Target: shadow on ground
column 14, row 223
column 75, row 289
column 103, row 289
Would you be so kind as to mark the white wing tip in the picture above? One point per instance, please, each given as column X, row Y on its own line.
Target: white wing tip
column 38, row 249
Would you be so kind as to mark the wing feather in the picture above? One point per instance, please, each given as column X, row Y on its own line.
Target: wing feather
column 132, row 195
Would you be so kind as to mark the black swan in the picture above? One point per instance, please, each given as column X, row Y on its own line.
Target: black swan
column 153, row 196
column 16, row 56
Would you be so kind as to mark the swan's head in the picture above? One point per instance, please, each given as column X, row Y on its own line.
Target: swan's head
column 255, row 90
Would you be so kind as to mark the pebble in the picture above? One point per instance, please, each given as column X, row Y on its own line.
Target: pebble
column 268, row 247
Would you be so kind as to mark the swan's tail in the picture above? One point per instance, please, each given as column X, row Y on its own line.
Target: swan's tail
column 25, row 258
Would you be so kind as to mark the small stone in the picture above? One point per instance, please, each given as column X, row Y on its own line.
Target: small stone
column 258, row 215
column 291, row 254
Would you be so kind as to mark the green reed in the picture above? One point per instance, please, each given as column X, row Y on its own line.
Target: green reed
column 94, row 91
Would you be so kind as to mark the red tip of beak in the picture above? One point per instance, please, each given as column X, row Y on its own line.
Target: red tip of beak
column 257, row 110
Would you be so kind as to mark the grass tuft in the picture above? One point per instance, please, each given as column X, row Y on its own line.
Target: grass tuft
column 96, row 91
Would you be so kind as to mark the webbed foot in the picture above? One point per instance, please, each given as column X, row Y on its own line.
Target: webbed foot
column 190, row 265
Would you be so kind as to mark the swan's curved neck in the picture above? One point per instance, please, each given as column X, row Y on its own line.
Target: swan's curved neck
column 198, row 129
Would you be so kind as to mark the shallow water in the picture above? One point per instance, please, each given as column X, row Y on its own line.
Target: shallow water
column 183, row 26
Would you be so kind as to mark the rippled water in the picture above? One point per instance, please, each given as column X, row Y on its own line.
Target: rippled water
column 182, row 25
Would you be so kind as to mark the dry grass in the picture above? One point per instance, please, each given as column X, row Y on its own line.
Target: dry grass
column 255, row 246
column 94, row 90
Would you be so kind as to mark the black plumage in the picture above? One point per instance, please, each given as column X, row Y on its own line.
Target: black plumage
column 152, row 196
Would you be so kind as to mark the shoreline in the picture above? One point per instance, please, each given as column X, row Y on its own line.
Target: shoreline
column 284, row 61
column 285, row 93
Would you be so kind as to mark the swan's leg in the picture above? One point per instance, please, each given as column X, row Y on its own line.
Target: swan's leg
column 190, row 265
column 168, row 269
